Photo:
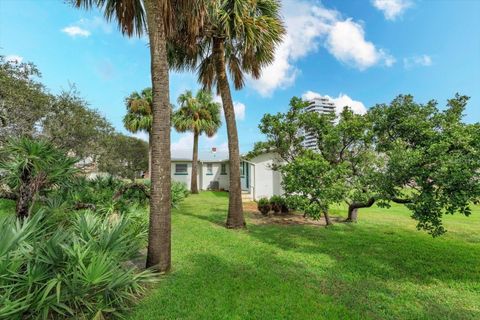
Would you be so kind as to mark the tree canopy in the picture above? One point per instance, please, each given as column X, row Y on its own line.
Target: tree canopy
column 404, row 152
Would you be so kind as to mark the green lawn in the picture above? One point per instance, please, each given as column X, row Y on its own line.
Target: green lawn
column 380, row 268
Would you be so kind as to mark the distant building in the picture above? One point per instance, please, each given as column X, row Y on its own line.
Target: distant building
column 320, row 105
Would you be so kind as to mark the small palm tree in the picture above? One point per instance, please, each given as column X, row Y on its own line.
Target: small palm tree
column 199, row 114
column 241, row 36
column 31, row 167
column 139, row 116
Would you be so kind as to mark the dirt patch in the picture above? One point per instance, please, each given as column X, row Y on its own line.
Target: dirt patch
column 294, row 218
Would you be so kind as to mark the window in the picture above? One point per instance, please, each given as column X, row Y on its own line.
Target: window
column 209, row 169
column 242, row 169
column 181, row 169
column 223, row 169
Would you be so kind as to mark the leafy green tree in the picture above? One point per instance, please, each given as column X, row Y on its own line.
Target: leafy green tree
column 23, row 100
column 282, row 132
column 240, row 35
column 124, row 156
column 345, row 141
column 199, row 114
column 433, row 157
column 313, row 184
column 139, row 116
column 164, row 20
column 72, row 126
column 31, row 167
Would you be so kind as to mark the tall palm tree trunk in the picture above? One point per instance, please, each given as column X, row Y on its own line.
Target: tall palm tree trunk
column 159, row 233
column 149, row 154
column 235, row 219
column 194, row 183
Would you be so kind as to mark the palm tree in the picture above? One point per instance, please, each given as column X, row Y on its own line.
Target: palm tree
column 139, row 117
column 240, row 35
column 31, row 167
column 162, row 20
column 199, row 114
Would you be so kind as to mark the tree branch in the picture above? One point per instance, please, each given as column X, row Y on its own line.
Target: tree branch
column 129, row 186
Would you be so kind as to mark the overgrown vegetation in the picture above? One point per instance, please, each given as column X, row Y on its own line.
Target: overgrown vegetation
column 75, row 269
column 66, row 121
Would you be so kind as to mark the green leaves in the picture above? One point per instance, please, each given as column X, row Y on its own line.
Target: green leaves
column 199, row 114
column 73, row 272
column 432, row 154
column 314, row 183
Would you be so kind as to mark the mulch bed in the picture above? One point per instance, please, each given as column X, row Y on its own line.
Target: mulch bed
column 292, row 218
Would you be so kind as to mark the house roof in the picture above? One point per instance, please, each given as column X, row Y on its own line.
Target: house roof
column 199, row 160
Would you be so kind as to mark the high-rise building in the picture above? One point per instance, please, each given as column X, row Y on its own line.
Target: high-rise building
column 321, row 105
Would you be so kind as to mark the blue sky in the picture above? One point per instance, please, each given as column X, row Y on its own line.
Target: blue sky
column 358, row 53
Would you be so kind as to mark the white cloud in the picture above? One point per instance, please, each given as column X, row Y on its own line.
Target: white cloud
column 84, row 27
column 340, row 102
column 422, row 60
column 74, row 31
column 96, row 23
column 183, row 147
column 346, row 41
column 140, row 135
column 308, row 24
column 392, row 8
column 238, row 107
column 305, row 24
column 239, row 110
column 13, row 58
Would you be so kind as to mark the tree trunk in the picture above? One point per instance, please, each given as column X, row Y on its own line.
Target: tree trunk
column 159, row 233
column 194, row 185
column 24, row 200
column 352, row 214
column 235, row 219
column 328, row 222
column 149, row 154
column 354, row 206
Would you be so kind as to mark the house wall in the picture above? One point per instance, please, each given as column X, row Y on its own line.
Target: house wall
column 216, row 175
column 185, row 178
column 267, row 182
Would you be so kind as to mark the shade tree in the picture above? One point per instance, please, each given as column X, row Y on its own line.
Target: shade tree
column 403, row 152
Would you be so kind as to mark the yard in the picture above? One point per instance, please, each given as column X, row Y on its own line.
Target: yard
column 380, row 268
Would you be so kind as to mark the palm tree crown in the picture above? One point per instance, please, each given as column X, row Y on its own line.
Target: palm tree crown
column 249, row 30
column 199, row 114
column 139, row 111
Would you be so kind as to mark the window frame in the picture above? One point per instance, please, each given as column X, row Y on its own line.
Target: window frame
column 181, row 173
column 209, row 169
column 223, row 169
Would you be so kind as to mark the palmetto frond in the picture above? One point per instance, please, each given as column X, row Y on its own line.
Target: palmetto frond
column 250, row 30
column 129, row 14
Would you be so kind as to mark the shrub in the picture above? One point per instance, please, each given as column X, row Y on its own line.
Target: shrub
column 277, row 202
column 77, row 270
column 263, row 206
column 179, row 193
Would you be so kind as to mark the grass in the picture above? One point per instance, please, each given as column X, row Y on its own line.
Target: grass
column 6, row 207
column 380, row 268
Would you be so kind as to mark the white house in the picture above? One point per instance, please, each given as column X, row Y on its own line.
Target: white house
column 256, row 175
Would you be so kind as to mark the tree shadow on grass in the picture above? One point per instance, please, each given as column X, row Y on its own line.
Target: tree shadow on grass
column 216, row 216
column 268, row 286
column 411, row 272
